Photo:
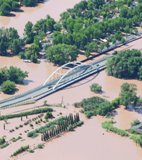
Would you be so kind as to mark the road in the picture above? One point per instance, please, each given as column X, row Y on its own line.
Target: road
column 74, row 76
column 77, row 74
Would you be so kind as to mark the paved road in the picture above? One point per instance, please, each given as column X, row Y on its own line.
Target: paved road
column 79, row 73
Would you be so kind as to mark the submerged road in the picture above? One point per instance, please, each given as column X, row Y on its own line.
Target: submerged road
column 79, row 73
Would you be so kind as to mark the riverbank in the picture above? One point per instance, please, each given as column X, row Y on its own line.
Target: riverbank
column 50, row 7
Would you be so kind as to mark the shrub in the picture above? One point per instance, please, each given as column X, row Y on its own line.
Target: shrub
column 96, row 88
column 135, row 122
column 40, row 146
column 2, row 141
column 20, row 150
column 48, row 115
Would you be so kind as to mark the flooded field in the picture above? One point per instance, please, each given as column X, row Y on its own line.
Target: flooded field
column 50, row 7
column 88, row 142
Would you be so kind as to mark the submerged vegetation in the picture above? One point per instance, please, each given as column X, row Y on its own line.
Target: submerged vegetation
column 135, row 136
column 96, row 88
column 95, row 106
column 108, row 125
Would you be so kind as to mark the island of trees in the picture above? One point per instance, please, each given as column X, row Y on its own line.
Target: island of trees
column 6, row 6
column 9, row 77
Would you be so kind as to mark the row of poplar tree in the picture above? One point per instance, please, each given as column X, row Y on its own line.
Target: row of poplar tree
column 67, row 124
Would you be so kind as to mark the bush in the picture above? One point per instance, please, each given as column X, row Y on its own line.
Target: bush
column 32, row 134
column 40, row 146
column 48, row 115
column 135, row 122
column 96, row 88
column 2, row 141
column 20, row 150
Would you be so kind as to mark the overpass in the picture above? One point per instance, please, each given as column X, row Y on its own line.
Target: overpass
column 64, row 76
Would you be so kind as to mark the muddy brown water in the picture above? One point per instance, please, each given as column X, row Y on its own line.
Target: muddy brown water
column 88, row 142
column 50, row 7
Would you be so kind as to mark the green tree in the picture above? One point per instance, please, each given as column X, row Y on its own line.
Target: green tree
column 61, row 53
column 28, row 32
column 8, row 87
column 128, row 94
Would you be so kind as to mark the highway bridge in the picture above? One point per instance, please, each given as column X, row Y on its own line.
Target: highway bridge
column 64, row 76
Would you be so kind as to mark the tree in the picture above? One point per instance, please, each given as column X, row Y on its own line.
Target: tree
column 48, row 115
column 28, row 32
column 61, row 53
column 128, row 94
column 8, row 87
column 16, row 74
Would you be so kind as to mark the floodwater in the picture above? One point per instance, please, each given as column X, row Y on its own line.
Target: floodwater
column 90, row 142
column 50, row 7
column 37, row 72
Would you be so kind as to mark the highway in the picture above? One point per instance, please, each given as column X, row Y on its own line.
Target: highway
column 76, row 75
column 79, row 73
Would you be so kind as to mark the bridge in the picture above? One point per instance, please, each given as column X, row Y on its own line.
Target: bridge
column 64, row 76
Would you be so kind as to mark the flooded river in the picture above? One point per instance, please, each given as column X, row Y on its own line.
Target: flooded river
column 88, row 142
column 50, row 7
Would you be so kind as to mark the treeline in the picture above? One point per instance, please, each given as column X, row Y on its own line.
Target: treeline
column 126, row 64
column 6, row 6
column 56, row 123
column 32, row 112
column 70, row 122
